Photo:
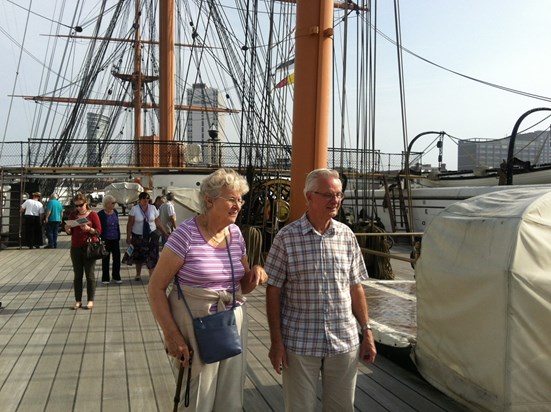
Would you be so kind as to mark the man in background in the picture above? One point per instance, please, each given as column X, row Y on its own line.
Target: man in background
column 33, row 211
column 167, row 214
column 54, row 210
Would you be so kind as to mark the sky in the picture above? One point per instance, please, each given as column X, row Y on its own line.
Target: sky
column 503, row 42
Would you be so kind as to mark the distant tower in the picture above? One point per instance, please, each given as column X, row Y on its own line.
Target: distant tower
column 96, row 133
column 198, row 122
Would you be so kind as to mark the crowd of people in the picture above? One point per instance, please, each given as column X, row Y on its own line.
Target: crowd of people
column 315, row 303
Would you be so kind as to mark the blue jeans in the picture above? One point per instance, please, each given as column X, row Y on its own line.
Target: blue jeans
column 51, row 233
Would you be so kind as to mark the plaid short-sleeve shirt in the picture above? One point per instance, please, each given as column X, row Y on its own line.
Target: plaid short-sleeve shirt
column 315, row 273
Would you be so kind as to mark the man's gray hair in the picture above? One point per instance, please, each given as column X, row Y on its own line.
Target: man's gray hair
column 311, row 184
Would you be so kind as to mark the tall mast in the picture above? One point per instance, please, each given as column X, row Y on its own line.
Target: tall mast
column 137, row 77
column 166, row 97
column 313, row 68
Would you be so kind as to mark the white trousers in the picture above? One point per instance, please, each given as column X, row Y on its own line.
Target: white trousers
column 218, row 386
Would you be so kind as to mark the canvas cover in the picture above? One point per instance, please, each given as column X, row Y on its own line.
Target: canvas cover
column 124, row 192
column 186, row 202
column 484, row 301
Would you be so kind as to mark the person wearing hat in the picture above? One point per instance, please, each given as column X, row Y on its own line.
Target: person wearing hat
column 32, row 211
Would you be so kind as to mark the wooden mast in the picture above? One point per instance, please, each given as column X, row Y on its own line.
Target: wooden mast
column 167, row 63
column 313, row 67
column 137, row 76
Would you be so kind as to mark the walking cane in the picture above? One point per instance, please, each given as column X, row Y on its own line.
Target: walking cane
column 179, row 387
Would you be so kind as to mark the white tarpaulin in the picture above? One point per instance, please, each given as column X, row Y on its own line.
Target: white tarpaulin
column 186, row 202
column 124, row 192
column 484, row 301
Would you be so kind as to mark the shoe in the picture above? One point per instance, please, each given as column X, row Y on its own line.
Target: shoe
column 38, row 247
column 90, row 305
column 77, row 305
column 48, row 247
column 118, row 282
column 105, row 282
column 138, row 278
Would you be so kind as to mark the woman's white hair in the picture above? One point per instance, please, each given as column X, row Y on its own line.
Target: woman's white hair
column 212, row 185
column 108, row 199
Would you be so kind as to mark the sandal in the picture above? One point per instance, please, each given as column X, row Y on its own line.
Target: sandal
column 90, row 305
column 77, row 305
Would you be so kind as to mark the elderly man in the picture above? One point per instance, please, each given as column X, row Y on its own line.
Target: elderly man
column 314, row 298
column 32, row 211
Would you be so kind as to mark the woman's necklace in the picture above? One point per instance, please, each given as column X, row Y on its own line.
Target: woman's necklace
column 212, row 237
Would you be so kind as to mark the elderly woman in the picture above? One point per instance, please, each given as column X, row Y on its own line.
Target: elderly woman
column 197, row 257
column 143, row 220
column 79, row 238
column 111, row 235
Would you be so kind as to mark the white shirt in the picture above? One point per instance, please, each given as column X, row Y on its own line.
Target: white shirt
column 32, row 207
column 152, row 214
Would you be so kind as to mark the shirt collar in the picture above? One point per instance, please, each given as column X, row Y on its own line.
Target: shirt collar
column 306, row 226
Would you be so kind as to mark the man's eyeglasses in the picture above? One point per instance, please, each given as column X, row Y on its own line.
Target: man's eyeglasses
column 330, row 196
column 237, row 202
column 79, row 205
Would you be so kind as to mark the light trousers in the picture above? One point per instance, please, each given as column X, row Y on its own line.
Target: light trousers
column 219, row 386
column 338, row 381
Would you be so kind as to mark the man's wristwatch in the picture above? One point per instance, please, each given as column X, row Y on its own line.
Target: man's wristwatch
column 365, row 327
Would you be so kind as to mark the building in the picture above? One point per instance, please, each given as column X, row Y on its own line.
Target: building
column 199, row 122
column 534, row 147
column 96, row 131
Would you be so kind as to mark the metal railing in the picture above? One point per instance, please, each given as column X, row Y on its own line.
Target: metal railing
column 154, row 153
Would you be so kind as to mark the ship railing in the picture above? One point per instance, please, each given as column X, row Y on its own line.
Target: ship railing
column 183, row 154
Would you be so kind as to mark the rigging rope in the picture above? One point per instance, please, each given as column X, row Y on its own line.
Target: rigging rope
column 15, row 81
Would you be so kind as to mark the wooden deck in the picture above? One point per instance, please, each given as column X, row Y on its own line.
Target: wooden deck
column 112, row 358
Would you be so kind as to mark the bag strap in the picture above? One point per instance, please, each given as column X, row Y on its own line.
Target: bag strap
column 181, row 371
column 181, row 293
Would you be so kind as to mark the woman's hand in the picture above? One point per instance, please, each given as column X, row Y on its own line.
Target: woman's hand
column 253, row 277
column 258, row 275
column 176, row 346
column 68, row 229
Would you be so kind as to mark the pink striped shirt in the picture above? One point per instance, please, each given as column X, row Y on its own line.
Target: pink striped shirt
column 207, row 266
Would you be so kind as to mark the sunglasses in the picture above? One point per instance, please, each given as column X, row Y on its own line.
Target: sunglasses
column 79, row 205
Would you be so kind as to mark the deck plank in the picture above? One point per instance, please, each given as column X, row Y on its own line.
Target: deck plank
column 112, row 358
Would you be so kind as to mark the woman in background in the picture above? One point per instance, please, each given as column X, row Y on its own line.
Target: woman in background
column 111, row 234
column 79, row 240
column 143, row 220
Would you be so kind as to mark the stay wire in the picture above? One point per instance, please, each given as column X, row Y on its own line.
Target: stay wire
column 16, row 79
